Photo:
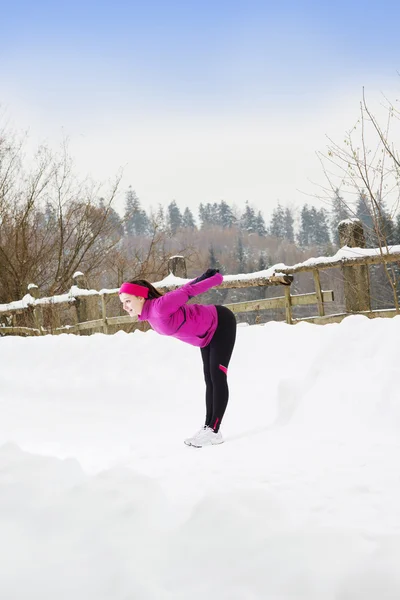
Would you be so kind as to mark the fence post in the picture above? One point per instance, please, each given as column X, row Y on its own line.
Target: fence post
column 356, row 279
column 85, row 305
column 34, row 291
column 177, row 266
column 288, row 305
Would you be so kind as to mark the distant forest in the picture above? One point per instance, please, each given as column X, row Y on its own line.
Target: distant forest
column 316, row 228
column 240, row 240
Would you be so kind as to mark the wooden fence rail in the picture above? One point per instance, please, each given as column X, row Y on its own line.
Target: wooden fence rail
column 84, row 302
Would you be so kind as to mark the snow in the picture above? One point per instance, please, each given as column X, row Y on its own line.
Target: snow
column 350, row 221
column 100, row 499
column 76, row 291
column 343, row 254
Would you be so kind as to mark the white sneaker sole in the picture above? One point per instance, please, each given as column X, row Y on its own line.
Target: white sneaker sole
column 194, row 445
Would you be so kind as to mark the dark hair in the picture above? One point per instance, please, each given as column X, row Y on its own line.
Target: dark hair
column 153, row 293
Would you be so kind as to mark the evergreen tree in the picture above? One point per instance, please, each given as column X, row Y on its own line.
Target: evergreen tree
column 188, row 219
column 313, row 219
column 289, row 226
column 215, row 214
column 174, row 217
column 305, row 233
column 321, row 237
column 208, row 215
column 277, row 227
column 314, row 228
column 136, row 219
column 141, row 222
column 131, row 201
column 248, row 220
column 225, row 215
column 202, row 216
column 260, row 225
column 339, row 213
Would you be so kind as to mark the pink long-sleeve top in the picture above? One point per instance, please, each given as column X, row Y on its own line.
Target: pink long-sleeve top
column 194, row 324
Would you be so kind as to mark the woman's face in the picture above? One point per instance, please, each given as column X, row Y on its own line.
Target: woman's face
column 132, row 304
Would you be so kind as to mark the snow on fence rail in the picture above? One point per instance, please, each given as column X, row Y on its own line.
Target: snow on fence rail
column 352, row 259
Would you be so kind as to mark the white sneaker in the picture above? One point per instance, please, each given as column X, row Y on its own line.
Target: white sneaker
column 205, row 437
column 188, row 441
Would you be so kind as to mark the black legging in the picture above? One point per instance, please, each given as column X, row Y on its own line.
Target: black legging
column 216, row 357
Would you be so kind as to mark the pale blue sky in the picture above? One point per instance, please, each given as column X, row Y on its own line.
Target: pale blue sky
column 198, row 101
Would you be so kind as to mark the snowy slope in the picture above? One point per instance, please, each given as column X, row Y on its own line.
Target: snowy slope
column 100, row 498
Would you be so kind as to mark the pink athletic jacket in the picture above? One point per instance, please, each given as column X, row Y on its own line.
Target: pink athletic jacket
column 194, row 323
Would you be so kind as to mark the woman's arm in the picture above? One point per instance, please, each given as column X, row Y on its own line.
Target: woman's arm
column 171, row 301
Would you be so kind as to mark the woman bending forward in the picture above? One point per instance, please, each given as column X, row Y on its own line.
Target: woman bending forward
column 211, row 328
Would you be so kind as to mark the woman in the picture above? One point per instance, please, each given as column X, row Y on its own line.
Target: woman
column 211, row 328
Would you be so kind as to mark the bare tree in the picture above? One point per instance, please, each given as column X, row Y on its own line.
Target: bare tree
column 51, row 223
column 367, row 165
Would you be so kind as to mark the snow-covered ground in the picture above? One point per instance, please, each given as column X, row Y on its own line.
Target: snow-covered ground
column 101, row 500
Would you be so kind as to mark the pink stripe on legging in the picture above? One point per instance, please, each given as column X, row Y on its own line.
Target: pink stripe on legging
column 224, row 369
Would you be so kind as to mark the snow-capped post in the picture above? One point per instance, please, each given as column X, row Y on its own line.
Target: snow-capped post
column 177, row 266
column 37, row 310
column 356, row 279
column 85, row 305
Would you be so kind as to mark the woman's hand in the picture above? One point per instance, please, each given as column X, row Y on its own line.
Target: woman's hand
column 206, row 275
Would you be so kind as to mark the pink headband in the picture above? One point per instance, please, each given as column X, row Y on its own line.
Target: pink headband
column 134, row 290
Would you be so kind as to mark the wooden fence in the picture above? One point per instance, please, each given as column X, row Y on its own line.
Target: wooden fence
column 86, row 304
column 354, row 261
column 90, row 312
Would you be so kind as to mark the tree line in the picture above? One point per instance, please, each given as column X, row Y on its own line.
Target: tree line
column 316, row 227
